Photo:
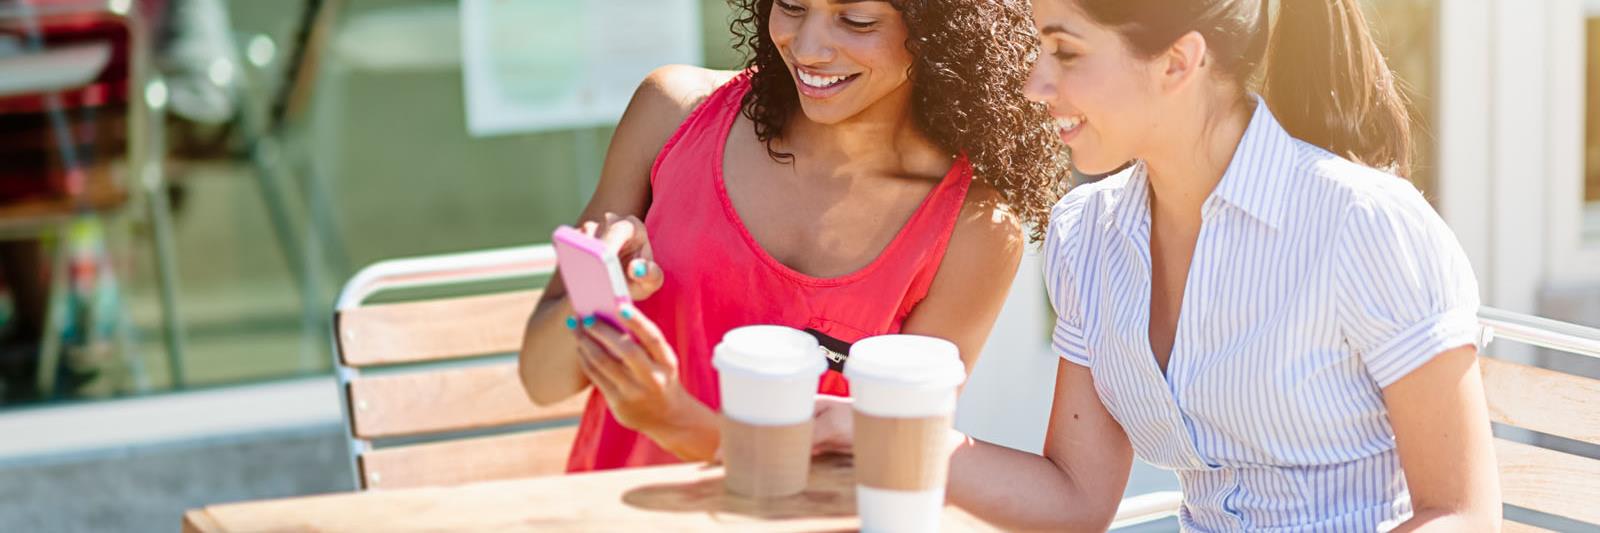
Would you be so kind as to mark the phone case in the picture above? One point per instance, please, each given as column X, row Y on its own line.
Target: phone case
column 592, row 274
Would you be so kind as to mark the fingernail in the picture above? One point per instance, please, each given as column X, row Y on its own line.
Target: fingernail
column 572, row 322
column 627, row 314
column 588, row 321
column 640, row 269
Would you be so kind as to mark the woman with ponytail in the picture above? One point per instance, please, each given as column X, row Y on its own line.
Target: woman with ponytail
column 1259, row 303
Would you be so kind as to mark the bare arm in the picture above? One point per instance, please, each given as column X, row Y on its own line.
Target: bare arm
column 1078, row 482
column 1441, row 428
column 1075, row 486
column 548, row 361
column 962, row 303
column 974, row 278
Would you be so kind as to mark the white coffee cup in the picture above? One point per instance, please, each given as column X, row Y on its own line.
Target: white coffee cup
column 905, row 389
column 768, row 378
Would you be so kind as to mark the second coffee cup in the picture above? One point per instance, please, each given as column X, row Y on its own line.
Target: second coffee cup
column 905, row 396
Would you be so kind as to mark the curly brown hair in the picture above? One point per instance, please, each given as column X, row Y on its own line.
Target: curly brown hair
column 972, row 59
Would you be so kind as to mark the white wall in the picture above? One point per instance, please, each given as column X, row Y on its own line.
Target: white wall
column 1007, row 398
column 1510, row 141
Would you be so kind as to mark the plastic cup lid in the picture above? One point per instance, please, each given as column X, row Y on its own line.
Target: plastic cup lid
column 769, row 351
column 910, row 360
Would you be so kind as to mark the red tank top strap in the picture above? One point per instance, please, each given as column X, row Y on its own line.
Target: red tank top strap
column 927, row 234
column 707, row 121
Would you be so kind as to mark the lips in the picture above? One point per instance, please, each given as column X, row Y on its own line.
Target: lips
column 1069, row 127
column 819, row 85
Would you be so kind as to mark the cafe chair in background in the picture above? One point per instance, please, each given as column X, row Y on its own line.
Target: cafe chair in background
column 59, row 58
column 430, row 395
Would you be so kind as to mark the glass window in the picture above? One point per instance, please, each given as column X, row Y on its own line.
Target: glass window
column 377, row 164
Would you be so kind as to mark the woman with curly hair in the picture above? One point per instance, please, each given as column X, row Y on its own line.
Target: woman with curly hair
column 869, row 172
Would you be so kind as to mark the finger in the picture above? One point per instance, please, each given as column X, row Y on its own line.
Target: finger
column 604, row 368
column 589, row 228
column 597, row 379
column 619, row 236
column 824, row 439
column 648, row 336
column 644, row 278
column 628, row 353
column 638, row 243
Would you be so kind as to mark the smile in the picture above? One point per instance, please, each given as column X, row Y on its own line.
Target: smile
column 818, row 85
column 1068, row 127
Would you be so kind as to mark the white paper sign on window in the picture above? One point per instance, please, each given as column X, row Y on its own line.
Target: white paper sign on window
column 532, row 65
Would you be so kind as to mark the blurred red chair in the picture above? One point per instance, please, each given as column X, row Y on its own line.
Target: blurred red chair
column 77, row 92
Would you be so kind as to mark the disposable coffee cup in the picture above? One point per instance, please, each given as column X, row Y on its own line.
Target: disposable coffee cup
column 768, row 377
column 905, row 395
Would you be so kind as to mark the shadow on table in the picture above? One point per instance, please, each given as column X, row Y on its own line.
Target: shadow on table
column 830, row 492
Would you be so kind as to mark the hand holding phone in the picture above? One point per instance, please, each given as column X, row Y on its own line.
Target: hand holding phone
column 592, row 275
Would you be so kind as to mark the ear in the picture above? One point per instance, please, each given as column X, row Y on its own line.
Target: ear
column 1184, row 61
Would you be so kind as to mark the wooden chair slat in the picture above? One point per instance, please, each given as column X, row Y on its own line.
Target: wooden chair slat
column 540, row 452
column 1542, row 400
column 1549, row 481
column 456, row 399
column 434, row 330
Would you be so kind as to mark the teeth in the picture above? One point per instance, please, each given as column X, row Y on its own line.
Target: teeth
column 820, row 82
column 1069, row 124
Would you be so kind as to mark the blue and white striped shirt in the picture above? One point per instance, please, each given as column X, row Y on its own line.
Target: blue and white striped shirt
column 1315, row 283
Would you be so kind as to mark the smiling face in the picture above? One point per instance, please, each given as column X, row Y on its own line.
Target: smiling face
column 1103, row 95
column 844, row 56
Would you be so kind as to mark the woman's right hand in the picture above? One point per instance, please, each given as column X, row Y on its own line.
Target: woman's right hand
column 626, row 237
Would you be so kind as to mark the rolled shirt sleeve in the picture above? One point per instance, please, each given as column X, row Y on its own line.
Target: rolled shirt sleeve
column 1406, row 290
column 1061, row 258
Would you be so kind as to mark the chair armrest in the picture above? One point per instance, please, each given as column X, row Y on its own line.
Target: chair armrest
column 1144, row 508
column 446, row 269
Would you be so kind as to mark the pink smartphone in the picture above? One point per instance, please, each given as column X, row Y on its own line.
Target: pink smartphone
column 592, row 274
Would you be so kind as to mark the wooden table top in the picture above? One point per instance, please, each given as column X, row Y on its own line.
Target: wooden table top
column 687, row 497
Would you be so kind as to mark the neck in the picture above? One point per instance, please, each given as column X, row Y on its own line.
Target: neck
column 883, row 137
column 1183, row 172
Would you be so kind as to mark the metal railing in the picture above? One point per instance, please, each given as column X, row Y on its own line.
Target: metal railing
column 1539, row 331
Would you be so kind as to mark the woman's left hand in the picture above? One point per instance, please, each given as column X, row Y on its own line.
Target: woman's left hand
column 636, row 371
column 833, row 425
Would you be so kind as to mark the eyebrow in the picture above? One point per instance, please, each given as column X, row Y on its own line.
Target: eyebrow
column 1056, row 28
column 858, row 1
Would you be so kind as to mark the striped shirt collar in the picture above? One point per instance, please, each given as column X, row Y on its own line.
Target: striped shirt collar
column 1255, row 181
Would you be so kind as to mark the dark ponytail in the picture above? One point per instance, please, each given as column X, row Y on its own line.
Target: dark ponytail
column 1329, row 85
column 1325, row 80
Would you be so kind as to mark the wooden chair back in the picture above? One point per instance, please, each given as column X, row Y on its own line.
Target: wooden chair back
column 436, row 369
column 1545, row 401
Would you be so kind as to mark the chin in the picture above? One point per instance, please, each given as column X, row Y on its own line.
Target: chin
column 825, row 115
column 1089, row 165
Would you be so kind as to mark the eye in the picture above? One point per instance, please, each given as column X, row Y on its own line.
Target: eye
column 1064, row 56
column 789, row 9
column 859, row 23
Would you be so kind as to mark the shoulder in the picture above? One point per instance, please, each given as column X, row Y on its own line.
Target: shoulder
column 669, row 94
column 1079, row 210
column 988, row 236
column 1364, row 196
column 1377, row 225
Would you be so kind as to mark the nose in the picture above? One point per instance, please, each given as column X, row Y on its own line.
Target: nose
column 812, row 44
column 1041, row 86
